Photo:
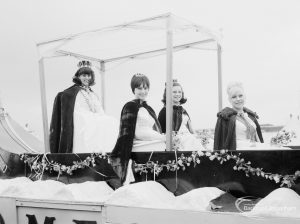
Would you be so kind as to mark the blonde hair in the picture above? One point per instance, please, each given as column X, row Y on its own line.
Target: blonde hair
column 234, row 84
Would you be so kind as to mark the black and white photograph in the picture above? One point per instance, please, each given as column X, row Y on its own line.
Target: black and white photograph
column 149, row 112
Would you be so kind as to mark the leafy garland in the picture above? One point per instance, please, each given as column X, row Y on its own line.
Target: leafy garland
column 222, row 156
column 39, row 165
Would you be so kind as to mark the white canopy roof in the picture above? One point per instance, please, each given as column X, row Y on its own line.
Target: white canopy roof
column 142, row 38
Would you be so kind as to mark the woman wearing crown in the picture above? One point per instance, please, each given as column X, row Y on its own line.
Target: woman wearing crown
column 182, row 125
column 79, row 124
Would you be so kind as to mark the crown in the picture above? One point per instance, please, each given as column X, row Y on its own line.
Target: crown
column 82, row 64
column 174, row 81
column 138, row 74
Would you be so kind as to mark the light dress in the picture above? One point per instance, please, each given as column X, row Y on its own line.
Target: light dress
column 188, row 141
column 94, row 131
column 147, row 139
column 242, row 141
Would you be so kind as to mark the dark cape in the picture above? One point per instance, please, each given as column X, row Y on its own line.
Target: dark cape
column 177, row 118
column 61, row 127
column 225, row 136
column 122, row 151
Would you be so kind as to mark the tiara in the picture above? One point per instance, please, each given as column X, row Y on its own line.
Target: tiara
column 174, row 81
column 138, row 74
column 82, row 64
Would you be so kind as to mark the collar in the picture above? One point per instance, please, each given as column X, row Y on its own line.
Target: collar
column 227, row 112
column 138, row 102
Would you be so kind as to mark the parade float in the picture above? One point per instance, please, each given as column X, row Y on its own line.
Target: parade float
column 241, row 173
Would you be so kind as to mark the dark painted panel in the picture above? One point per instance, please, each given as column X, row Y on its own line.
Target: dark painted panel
column 207, row 173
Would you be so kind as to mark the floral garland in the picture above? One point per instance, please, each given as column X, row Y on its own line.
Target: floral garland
column 39, row 164
column 222, row 156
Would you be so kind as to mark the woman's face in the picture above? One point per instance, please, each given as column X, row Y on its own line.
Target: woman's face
column 237, row 98
column 141, row 92
column 85, row 79
column 176, row 94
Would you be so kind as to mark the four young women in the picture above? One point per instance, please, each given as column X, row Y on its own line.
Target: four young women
column 79, row 123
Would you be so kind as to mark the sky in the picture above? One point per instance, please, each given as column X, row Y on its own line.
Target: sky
column 260, row 42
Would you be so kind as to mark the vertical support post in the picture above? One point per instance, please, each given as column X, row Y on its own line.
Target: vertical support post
column 102, row 73
column 44, row 105
column 1, row 105
column 169, row 102
column 220, row 94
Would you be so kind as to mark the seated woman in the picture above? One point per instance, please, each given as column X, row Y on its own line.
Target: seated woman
column 78, row 123
column 236, row 127
column 138, row 123
column 181, row 120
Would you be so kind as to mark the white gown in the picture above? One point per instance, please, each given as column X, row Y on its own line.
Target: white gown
column 243, row 143
column 147, row 139
column 188, row 141
column 94, row 131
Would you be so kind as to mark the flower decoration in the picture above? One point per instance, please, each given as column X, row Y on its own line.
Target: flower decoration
column 283, row 137
column 205, row 136
column 39, row 164
column 221, row 156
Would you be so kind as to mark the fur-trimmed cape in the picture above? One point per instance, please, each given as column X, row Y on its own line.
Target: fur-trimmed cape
column 122, row 151
column 177, row 118
column 225, row 136
column 61, row 127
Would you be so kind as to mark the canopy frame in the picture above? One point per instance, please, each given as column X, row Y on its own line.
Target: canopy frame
column 169, row 71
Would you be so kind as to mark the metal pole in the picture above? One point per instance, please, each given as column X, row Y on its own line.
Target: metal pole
column 220, row 95
column 44, row 105
column 169, row 103
column 102, row 73
column 1, row 106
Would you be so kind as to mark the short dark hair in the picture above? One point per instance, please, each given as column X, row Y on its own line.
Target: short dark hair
column 182, row 100
column 84, row 70
column 137, row 80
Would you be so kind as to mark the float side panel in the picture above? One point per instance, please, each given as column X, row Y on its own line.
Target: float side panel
column 59, row 216
column 126, row 215
column 8, row 211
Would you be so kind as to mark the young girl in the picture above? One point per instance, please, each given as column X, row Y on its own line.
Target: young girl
column 138, row 123
column 182, row 125
column 79, row 124
column 237, row 126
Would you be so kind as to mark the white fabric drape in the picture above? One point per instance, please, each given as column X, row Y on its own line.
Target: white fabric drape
column 94, row 131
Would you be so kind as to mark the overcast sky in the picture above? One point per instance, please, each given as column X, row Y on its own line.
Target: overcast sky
column 260, row 40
